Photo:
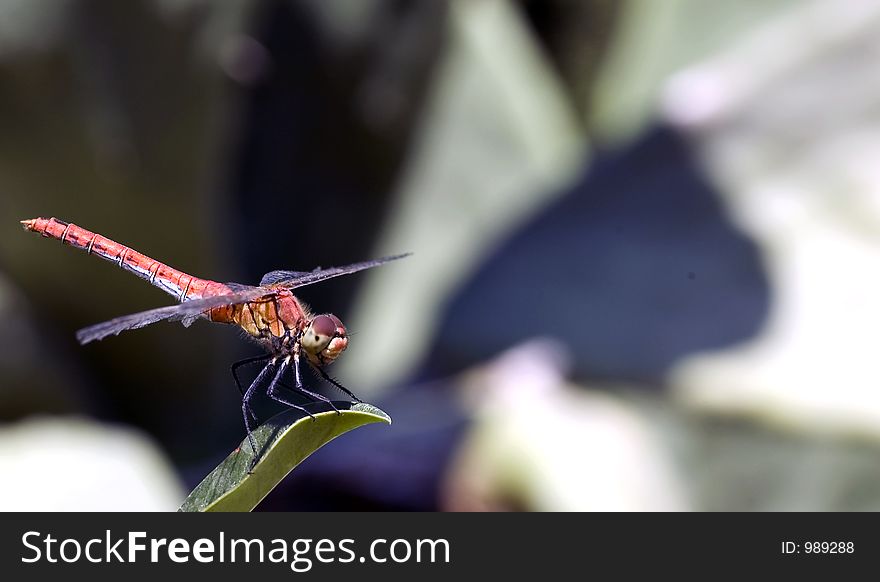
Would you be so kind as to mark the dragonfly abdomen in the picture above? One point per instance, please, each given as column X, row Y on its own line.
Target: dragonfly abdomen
column 174, row 282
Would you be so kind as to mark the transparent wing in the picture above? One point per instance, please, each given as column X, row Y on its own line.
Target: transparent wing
column 186, row 312
column 294, row 279
column 273, row 277
column 191, row 310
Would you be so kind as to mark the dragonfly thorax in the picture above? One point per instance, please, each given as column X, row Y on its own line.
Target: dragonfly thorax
column 284, row 326
column 274, row 321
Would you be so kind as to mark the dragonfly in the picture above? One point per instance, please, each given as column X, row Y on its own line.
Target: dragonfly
column 269, row 314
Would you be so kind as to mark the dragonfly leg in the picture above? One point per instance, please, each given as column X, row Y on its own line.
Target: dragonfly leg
column 245, row 362
column 273, row 390
column 299, row 386
column 246, row 410
column 300, row 391
column 328, row 378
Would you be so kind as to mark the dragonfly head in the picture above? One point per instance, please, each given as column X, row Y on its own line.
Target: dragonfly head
column 324, row 339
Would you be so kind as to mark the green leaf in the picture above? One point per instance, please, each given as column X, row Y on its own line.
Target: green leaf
column 283, row 442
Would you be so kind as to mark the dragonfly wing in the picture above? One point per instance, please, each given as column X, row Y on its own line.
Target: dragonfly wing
column 294, row 279
column 186, row 312
column 273, row 277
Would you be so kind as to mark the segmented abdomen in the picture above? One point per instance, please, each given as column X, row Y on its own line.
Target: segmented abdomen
column 177, row 283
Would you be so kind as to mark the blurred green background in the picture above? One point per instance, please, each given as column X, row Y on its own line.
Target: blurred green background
column 644, row 239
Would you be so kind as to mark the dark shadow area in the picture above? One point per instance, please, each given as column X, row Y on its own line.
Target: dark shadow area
column 324, row 132
column 635, row 267
column 398, row 468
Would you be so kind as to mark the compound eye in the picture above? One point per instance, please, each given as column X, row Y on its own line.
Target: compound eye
column 339, row 327
column 323, row 325
column 319, row 334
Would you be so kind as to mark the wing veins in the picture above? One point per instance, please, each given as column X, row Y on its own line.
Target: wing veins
column 187, row 310
column 296, row 279
column 191, row 310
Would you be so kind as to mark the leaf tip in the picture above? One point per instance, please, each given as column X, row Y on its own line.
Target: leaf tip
column 372, row 410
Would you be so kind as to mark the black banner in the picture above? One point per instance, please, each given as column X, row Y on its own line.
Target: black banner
column 434, row 546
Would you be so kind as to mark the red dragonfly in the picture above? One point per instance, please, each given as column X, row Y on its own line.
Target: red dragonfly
column 269, row 314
